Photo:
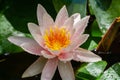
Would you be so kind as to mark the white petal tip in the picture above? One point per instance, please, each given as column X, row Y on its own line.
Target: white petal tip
column 25, row 76
column 98, row 59
column 64, row 6
column 10, row 38
column 84, row 55
column 39, row 5
column 95, row 59
column 29, row 24
column 86, row 18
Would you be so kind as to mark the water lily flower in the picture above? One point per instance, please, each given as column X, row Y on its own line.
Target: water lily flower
column 57, row 43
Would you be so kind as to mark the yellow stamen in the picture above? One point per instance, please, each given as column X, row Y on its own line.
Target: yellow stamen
column 56, row 38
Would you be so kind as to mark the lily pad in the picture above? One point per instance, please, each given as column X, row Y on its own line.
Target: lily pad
column 113, row 73
column 91, row 70
column 6, row 30
column 73, row 6
column 105, row 14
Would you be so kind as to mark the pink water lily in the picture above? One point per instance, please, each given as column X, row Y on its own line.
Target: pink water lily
column 57, row 43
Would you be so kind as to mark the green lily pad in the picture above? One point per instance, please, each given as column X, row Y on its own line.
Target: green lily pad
column 73, row 6
column 92, row 45
column 6, row 30
column 95, row 30
column 91, row 70
column 105, row 13
column 113, row 73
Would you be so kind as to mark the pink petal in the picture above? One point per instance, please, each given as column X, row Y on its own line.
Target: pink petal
column 76, row 42
column 32, row 47
column 66, row 71
column 65, row 56
column 19, row 40
column 29, row 45
column 80, row 26
column 40, row 12
column 47, row 23
column 68, row 24
column 79, row 40
column 49, row 69
column 35, row 31
column 35, row 68
column 53, row 52
column 47, row 54
column 40, row 40
column 85, row 56
column 76, row 17
column 61, row 17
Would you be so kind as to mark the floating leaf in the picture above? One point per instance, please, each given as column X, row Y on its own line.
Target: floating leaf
column 105, row 15
column 73, row 6
column 6, row 30
column 95, row 30
column 92, row 45
column 113, row 73
column 20, row 12
column 91, row 71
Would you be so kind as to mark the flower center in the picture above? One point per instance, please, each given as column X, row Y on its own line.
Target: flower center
column 56, row 38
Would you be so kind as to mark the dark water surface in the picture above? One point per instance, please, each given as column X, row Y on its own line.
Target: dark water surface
column 13, row 65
